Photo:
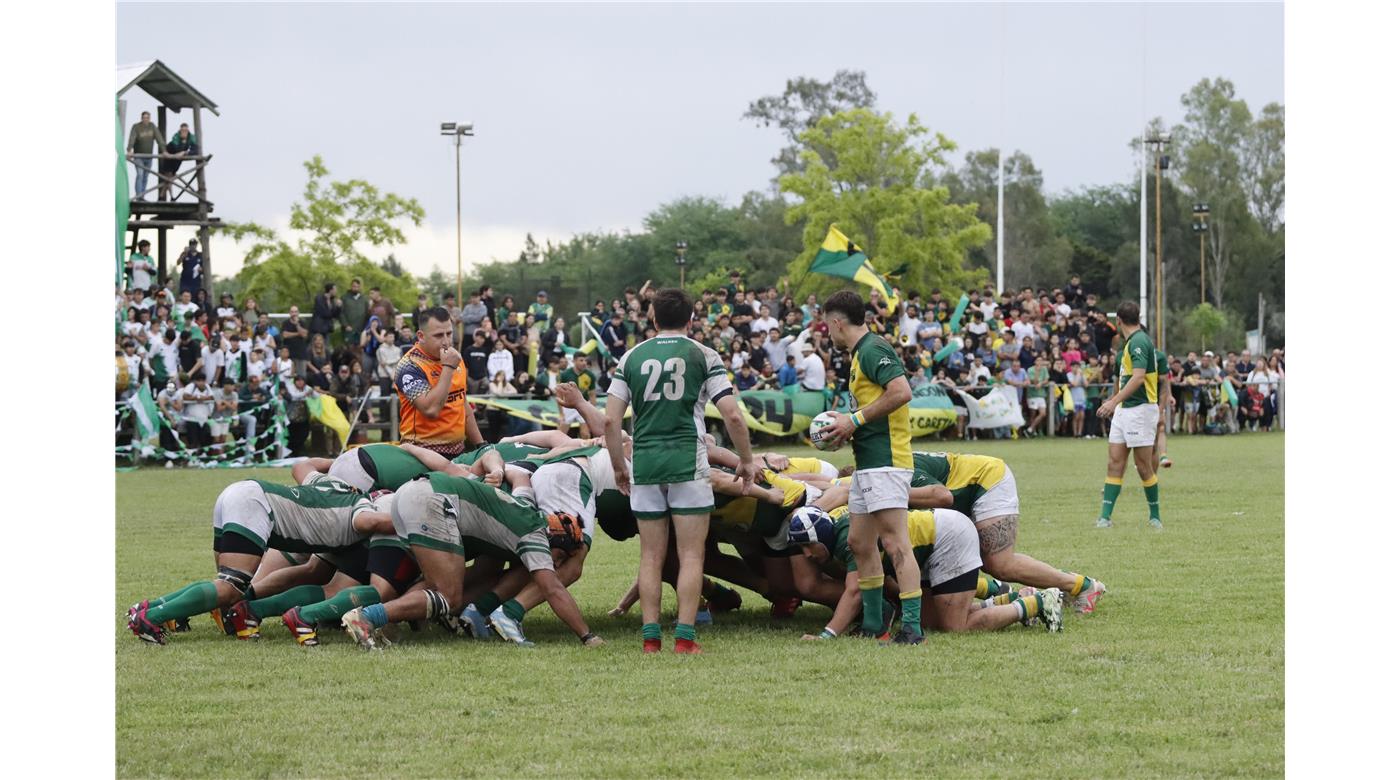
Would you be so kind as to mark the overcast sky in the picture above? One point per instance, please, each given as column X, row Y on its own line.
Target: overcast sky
column 588, row 117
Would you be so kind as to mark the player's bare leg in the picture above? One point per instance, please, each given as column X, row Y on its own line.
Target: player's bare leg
column 653, row 535
column 691, row 531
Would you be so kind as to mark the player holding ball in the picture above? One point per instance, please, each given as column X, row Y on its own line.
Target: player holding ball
column 879, row 432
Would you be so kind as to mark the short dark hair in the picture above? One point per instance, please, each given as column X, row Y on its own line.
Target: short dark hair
column 671, row 307
column 1128, row 312
column 848, row 305
column 330, row 286
column 438, row 313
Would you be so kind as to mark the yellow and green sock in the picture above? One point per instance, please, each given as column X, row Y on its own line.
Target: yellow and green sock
column 1149, row 486
column 1028, row 606
column 1112, row 486
column 911, row 605
column 872, row 604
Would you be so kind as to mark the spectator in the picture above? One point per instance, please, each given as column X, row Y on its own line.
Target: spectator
column 298, row 419
column 614, row 335
column 1037, row 394
column 501, row 361
column 554, row 340
column 285, row 366
column 500, row 385
column 1028, row 353
column 227, row 314
column 1009, row 351
column 131, row 369
column 141, row 267
column 143, row 140
column 354, row 311
column 325, row 312
column 488, row 299
column 909, row 325
column 191, row 262
column 196, row 405
column 787, row 375
column 746, row 379
column 474, row 315
column 811, row 369
column 183, row 144
column 252, row 396
column 1016, row 377
column 386, row 358
column 506, row 308
column 225, row 412
column 541, row 310
column 294, row 336
column 347, row 386
column 383, row 308
column 477, row 357
column 1074, row 377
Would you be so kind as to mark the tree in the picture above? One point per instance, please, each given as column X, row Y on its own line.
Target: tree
column 1263, row 154
column 804, row 101
column 876, row 190
column 333, row 221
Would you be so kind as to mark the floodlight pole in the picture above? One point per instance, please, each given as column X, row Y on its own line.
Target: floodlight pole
column 457, row 130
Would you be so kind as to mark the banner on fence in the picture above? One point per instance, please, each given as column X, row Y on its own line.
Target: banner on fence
column 996, row 409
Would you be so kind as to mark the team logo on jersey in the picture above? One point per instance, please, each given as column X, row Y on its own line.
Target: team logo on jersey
column 884, row 361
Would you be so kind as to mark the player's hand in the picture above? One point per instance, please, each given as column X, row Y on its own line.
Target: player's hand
column 617, row 611
column 494, row 477
column 776, row 462
column 568, row 394
column 1106, row 410
column 838, row 432
column 810, row 638
column 594, row 641
column 746, row 473
column 451, row 357
column 624, row 481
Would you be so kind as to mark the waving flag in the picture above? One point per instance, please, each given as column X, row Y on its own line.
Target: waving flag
column 838, row 256
column 325, row 410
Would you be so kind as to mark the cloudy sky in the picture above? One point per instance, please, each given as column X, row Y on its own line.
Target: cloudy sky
column 589, row 116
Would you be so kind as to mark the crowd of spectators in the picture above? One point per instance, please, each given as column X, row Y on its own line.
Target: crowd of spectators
column 209, row 363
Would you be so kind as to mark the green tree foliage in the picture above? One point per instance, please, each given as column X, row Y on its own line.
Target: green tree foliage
column 1035, row 256
column 877, row 191
column 805, row 101
column 334, row 223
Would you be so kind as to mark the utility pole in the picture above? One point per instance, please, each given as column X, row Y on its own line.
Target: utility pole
column 457, row 130
column 1200, row 225
column 1159, row 144
column 680, row 259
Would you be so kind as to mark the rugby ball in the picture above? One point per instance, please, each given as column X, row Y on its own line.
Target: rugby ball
column 817, row 431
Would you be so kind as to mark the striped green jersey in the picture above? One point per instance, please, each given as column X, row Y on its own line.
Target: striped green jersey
column 668, row 380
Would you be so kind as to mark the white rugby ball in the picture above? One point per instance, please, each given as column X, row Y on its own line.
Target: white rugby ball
column 817, row 431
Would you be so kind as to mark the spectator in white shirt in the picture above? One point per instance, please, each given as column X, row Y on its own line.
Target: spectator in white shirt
column 387, row 358
column 909, row 325
column 196, row 405
column 1023, row 328
column 284, row 365
column 776, row 348
column 811, row 371
column 977, row 369
column 211, row 355
column 142, row 269
column 765, row 323
column 501, row 361
column 139, row 301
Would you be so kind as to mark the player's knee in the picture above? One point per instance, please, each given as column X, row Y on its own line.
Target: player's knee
column 235, row 580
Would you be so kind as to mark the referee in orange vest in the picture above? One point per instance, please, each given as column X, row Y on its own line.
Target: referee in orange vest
column 432, row 386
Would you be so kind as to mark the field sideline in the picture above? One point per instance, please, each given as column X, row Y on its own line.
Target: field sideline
column 1179, row 672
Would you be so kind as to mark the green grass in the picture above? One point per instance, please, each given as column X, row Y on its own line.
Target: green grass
column 1179, row 672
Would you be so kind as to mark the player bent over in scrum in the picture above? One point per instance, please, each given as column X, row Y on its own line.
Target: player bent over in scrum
column 984, row 489
column 249, row 516
column 439, row 516
column 944, row 544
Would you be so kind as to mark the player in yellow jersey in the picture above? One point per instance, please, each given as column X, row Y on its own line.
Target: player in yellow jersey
column 880, row 434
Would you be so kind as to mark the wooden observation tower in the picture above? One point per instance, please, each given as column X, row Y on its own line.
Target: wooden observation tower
column 185, row 194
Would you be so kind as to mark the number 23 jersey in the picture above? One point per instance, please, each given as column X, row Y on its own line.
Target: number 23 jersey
column 668, row 380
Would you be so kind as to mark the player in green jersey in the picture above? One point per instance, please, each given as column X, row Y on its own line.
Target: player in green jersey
column 667, row 380
column 1134, row 411
column 379, row 466
column 944, row 545
column 249, row 517
column 440, row 516
column 880, row 436
column 579, row 374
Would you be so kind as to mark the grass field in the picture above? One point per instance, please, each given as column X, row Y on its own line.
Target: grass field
column 1179, row 672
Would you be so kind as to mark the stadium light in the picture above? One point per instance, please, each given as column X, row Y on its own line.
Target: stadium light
column 457, row 131
column 681, row 246
column 1200, row 225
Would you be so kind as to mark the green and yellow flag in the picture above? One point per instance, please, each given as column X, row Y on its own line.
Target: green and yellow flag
column 839, row 257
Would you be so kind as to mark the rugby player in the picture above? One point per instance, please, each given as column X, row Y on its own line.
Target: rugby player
column 983, row 488
column 440, row 516
column 1134, row 411
column 880, row 434
column 249, row 516
column 667, row 380
column 944, row 542
column 432, row 386
column 382, row 466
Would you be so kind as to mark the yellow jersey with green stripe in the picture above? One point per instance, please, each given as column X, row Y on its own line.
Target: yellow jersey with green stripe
column 882, row 443
column 746, row 513
column 808, row 466
column 1138, row 352
column 967, row 477
column 923, row 533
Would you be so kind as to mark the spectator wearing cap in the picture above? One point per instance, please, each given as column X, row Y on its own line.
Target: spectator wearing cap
column 811, row 370
column 542, row 310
